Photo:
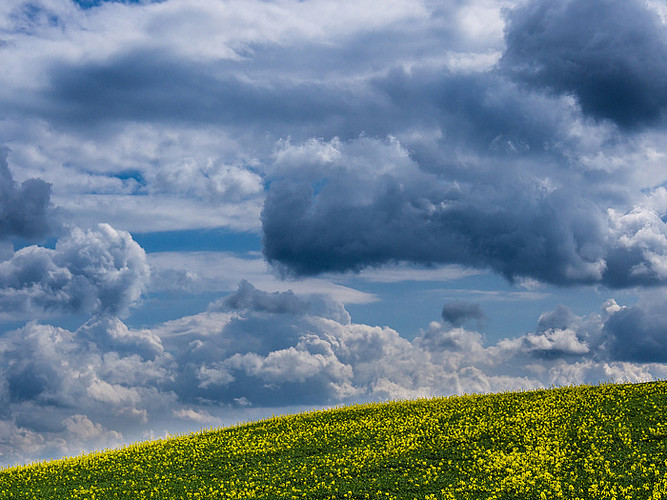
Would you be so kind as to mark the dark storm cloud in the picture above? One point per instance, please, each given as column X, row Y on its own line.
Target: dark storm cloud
column 637, row 333
column 317, row 83
column 502, row 187
column 610, row 55
column 459, row 312
column 556, row 237
column 366, row 202
column 480, row 111
column 150, row 86
column 24, row 209
column 161, row 87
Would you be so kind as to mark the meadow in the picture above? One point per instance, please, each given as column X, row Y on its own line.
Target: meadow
column 604, row 442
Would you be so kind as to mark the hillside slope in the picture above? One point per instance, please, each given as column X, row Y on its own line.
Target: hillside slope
column 607, row 441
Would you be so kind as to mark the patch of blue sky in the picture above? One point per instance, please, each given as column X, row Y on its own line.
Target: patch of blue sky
column 133, row 181
column 67, row 321
column 20, row 243
column 199, row 240
column 8, row 326
column 319, row 186
column 88, row 4
column 167, row 306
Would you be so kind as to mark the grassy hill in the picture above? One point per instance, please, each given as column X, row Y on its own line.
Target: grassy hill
column 603, row 442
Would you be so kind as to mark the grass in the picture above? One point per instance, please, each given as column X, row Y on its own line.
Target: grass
column 604, row 442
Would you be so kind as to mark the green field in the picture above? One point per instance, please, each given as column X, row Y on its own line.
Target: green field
column 607, row 441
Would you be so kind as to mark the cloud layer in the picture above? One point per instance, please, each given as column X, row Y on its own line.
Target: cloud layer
column 105, row 383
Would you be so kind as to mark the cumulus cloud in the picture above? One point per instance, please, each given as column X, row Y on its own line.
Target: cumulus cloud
column 200, row 416
column 69, row 391
column 211, row 182
column 553, row 343
column 23, row 209
column 100, row 270
column 263, row 353
column 249, row 298
column 559, row 319
column 109, row 333
column 345, row 204
column 608, row 54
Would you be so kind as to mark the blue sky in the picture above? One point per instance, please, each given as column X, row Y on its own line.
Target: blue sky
column 217, row 210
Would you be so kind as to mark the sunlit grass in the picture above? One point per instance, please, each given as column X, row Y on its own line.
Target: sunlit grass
column 603, row 442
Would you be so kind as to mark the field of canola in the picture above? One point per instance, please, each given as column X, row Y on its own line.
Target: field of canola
column 602, row 442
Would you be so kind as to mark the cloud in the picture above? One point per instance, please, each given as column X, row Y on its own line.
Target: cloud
column 559, row 319
column 637, row 333
column 200, row 416
column 248, row 298
column 148, row 86
column 268, row 353
column 100, row 270
column 339, row 206
column 211, row 182
column 639, row 254
column 64, row 392
column 111, row 334
column 185, row 77
column 551, row 344
column 291, row 69
column 24, row 209
column 608, row 54
column 457, row 313
column 144, row 176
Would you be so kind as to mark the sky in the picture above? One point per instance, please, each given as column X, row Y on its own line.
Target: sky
column 213, row 211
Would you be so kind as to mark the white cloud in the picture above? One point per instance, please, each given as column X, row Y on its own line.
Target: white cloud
column 561, row 342
column 643, row 230
column 112, row 334
column 216, row 375
column 159, row 213
column 100, row 270
column 200, row 416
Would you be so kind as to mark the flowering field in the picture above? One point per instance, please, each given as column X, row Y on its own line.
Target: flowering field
column 602, row 442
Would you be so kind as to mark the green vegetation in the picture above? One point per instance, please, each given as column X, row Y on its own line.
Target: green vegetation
column 602, row 442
